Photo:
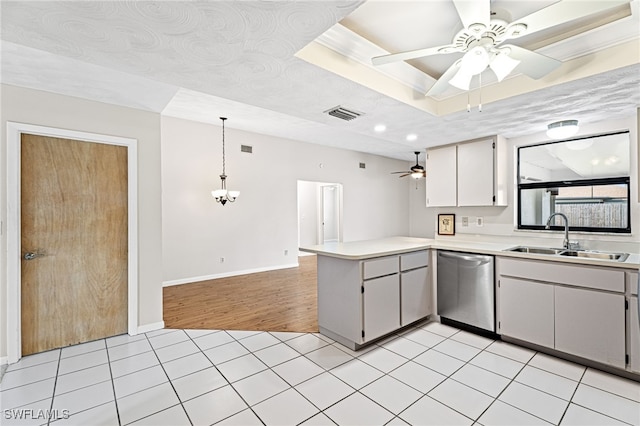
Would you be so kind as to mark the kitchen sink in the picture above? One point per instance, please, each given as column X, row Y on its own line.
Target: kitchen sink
column 536, row 250
column 589, row 254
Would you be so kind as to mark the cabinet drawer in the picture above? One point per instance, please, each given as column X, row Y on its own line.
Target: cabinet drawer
column 578, row 275
column 380, row 267
column 414, row 260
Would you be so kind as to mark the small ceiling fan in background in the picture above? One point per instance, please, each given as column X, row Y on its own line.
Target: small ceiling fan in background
column 415, row 172
column 485, row 30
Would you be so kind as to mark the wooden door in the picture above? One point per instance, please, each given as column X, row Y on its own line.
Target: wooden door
column 74, row 227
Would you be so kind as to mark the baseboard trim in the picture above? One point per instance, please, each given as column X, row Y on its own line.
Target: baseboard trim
column 150, row 327
column 228, row 274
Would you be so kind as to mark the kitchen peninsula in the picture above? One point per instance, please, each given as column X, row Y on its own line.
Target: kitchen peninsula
column 367, row 289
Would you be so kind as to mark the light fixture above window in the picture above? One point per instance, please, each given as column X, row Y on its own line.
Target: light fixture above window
column 562, row 129
column 223, row 195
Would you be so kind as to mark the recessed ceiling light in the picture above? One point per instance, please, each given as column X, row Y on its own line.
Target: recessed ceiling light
column 380, row 128
column 412, row 137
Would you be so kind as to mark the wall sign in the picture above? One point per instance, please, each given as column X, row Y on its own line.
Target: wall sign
column 446, row 224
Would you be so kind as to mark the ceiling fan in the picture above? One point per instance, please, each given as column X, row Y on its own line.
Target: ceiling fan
column 481, row 40
column 415, row 172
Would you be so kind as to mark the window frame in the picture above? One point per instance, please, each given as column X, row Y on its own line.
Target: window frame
column 625, row 180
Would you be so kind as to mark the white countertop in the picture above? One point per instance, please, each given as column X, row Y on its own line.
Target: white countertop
column 358, row 250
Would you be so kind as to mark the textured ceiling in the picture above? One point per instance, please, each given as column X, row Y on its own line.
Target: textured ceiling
column 202, row 60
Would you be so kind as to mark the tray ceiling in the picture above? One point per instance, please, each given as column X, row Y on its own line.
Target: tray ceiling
column 275, row 67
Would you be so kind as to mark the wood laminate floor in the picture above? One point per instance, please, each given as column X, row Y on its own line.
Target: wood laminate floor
column 282, row 300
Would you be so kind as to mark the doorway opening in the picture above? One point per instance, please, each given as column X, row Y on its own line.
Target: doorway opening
column 319, row 213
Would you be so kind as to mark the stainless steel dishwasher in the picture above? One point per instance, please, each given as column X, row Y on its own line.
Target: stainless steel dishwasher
column 466, row 289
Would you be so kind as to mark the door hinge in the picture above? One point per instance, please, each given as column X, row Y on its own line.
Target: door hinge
column 499, row 326
column 626, row 359
column 493, row 145
column 626, row 305
column 498, row 283
column 363, row 334
column 362, row 289
column 494, row 198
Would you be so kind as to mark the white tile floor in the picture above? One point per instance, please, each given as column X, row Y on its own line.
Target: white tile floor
column 430, row 374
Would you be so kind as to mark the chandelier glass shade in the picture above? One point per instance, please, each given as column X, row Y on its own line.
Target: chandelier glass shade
column 223, row 195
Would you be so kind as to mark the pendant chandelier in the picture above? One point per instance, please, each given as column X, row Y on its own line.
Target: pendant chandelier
column 222, row 195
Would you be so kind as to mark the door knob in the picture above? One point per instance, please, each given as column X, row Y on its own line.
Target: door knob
column 32, row 255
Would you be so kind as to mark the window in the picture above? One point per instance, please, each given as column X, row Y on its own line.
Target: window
column 587, row 179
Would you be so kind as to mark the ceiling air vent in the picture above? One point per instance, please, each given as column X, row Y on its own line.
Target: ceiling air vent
column 343, row 113
column 246, row 148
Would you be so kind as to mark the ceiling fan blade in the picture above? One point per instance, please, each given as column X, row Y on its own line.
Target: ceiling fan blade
column 473, row 12
column 531, row 63
column 412, row 54
column 407, row 174
column 395, row 173
column 564, row 11
column 442, row 83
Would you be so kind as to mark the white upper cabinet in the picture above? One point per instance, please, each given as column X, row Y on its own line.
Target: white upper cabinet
column 441, row 176
column 468, row 174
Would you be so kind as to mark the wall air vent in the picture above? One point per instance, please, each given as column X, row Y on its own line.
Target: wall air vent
column 343, row 113
column 246, row 148
column 363, row 166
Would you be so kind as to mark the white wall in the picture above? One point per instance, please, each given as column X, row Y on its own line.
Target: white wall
column 52, row 110
column 308, row 212
column 253, row 233
column 501, row 220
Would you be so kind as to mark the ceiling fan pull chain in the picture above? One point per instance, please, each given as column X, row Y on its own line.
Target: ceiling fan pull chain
column 468, row 100
column 480, row 94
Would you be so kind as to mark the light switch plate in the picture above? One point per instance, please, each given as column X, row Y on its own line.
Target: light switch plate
column 479, row 221
column 465, row 220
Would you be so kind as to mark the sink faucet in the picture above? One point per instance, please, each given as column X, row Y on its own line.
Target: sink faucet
column 566, row 243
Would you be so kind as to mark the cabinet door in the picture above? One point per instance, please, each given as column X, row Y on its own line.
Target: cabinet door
column 441, row 182
column 590, row 324
column 634, row 334
column 476, row 173
column 414, row 295
column 526, row 311
column 381, row 302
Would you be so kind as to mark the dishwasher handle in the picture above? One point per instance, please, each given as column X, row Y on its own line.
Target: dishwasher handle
column 481, row 259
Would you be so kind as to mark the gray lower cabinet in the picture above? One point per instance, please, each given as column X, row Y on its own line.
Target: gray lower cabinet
column 415, row 295
column 633, row 321
column 526, row 311
column 590, row 324
column 381, row 306
column 362, row 300
column 579, row 310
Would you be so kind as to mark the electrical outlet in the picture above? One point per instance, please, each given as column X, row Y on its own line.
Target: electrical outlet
column 479, row 221
column 222, row 260
column 465, row 220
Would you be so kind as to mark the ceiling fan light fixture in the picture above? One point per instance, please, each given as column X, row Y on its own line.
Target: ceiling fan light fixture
column 417, row 175
column 562, row 129
column 475, row 60
column 502, row 65
column 461, row 80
